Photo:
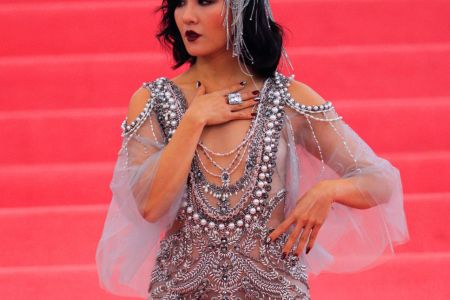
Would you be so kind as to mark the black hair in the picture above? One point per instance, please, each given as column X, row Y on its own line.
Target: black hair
column 263, row 42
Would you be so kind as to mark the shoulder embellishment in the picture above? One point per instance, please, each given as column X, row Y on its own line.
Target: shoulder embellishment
column 139, row 120
column 283, row 82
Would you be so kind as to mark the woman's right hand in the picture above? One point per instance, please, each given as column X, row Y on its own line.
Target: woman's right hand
column 213, row 108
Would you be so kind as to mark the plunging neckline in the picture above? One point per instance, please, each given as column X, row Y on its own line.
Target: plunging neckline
column 184, row 99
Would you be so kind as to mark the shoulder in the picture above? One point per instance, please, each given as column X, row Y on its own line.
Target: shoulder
column 304, row 94
column 138, row 108
column 138, row 102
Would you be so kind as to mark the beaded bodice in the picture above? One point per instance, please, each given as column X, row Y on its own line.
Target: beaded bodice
column 219, row 251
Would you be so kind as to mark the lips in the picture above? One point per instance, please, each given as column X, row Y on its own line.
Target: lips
column 191, row 35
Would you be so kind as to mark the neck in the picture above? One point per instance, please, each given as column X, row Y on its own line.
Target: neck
column 221, row 70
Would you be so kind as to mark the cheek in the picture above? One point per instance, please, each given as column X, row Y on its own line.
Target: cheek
column 217, row 29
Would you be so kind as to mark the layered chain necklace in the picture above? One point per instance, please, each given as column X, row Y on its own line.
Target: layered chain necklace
column 222, row 193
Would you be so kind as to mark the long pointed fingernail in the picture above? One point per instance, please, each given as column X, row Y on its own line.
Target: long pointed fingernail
column 198, row 84
column 243, row 82
column 307, row 250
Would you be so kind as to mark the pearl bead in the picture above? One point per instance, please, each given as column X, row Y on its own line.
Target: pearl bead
column 240, row 223
column 269, row 132
column 267, row 139
column 274, row 109
column 260, row 184
column 203, row 222
column 173, row 123
column 258, row 193
column 276, row 102
column 211, row 224
column 268, row 148
column 266, row 158
column 270, row 125
column 248, row 217
column 231, row 225
column 255, row 201
column 272, row 117
column 264, row 168
column 252, row 210
column 196, row 216
column 190, row 209
column 221, row 226
column 262, row 176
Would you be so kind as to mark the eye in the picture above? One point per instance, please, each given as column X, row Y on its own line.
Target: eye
column 205, row 2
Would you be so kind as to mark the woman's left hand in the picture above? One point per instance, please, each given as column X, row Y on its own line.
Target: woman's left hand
column 310, row 213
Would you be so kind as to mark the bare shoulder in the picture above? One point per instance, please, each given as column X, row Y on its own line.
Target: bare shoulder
column 137, row 103
column 304, row 94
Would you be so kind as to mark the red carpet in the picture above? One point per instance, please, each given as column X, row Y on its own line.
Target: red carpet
column 68, row 69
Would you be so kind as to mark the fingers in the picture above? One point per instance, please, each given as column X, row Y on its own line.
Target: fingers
column 280, row 229
column 312, row 238
column 303, row 238
column 293, row 237
column 234, row 88
column 200, row 88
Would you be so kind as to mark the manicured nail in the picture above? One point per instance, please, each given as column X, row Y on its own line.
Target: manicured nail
column 295, row 254
column 255, row 92
column 307, row 250
column 253, row 114
column 283, row 255
column 243, row 82
column 198, row 84
column 257, row 98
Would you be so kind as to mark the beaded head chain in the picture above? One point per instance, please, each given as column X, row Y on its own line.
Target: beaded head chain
column 235, row 34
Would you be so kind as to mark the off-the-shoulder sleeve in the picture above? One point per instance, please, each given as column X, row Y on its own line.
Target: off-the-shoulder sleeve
column 321, row 145
column 129, row 243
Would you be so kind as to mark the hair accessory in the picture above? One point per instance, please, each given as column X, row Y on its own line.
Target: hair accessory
column 235, row 30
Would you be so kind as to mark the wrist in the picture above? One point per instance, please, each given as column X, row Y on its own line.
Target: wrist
column 332, row 186
column 194, row 119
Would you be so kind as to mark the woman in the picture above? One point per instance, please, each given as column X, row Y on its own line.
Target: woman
column 234, row 181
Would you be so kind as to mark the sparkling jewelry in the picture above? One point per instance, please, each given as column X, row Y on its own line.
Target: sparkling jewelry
column 234, row 98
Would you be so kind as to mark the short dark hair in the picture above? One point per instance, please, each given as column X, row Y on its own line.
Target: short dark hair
column 264, row 43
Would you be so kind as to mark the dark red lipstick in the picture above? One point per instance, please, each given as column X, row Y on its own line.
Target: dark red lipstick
column 191, row 35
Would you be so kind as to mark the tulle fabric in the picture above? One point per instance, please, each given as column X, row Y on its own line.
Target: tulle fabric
column 351, row 239
column 129, row 242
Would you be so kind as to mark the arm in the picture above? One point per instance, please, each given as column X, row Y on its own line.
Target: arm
column 366, row 179
column 174, row 162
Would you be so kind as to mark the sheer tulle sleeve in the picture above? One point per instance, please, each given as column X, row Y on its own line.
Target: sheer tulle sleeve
column 129, row 243
column 321, row 145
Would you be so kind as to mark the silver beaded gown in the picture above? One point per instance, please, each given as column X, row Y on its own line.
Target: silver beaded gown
column 211, row 244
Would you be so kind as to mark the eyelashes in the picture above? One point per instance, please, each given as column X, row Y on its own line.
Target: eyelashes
column 201, row 2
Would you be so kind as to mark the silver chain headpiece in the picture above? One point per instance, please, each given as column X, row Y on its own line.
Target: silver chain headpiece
column 240, row 50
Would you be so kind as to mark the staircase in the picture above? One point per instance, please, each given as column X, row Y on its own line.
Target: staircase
column 69, row 67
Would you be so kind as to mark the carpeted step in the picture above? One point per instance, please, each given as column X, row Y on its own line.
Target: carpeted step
column 68, row 235
column 92, row 135
column 407, row 277
column 108, row 80
column 54, row 27
column 88, row 183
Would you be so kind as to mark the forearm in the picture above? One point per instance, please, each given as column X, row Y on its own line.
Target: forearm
column 174, row 166
column 345, row 191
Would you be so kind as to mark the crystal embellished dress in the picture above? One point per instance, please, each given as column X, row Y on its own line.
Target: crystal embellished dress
column 210, row 244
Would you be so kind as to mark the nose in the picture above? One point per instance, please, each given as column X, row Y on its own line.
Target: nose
column 190, row 13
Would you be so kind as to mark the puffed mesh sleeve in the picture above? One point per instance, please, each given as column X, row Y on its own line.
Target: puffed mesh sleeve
column 129, row 243
column 321, row 145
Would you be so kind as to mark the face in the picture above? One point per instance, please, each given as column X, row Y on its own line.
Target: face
column 204, row 18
